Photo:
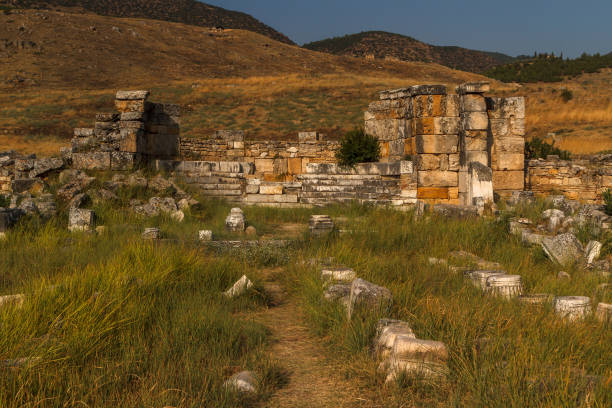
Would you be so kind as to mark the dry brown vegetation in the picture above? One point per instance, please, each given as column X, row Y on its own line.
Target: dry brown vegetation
column 234, row 79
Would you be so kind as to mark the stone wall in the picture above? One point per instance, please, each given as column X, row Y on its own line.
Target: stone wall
column 581, row 179
column 443, row 133
column 138, row 131
column 273, row 160
column 392, row 183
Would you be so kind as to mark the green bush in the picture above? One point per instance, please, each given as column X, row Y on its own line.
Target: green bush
column 358, row 147
column 607, row 197
column 538, row 148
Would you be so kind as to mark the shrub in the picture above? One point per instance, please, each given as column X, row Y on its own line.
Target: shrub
column 538, row 148
column 358, row 147
column 607, row 197
column 567, row 95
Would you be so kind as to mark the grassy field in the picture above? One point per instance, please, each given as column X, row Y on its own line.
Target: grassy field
column 111, row 320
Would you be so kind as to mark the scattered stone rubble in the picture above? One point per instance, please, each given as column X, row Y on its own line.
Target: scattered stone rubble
column 242, row 382
column 235, row 221
column 151, row 233
column 240, row 287
column 320, row 224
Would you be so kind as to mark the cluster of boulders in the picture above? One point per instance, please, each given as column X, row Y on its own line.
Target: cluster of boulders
column 24, row 187
column 495, row 281
column 395, row 345
column 556, row 231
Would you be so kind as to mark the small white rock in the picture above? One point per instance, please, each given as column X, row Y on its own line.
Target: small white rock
column 241, row 286
column 205, row 235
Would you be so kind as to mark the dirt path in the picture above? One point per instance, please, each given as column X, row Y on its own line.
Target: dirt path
column 314, row 379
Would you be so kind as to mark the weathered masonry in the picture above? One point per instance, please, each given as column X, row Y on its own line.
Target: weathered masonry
column 437, row 147
column 453, row 138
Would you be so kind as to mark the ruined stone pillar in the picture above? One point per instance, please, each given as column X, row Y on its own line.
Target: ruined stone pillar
column 436, row 143
column 389, row 120
column 473, row 135
column 507, row 143
column 131, row 105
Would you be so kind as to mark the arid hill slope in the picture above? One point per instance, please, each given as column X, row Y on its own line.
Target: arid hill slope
column 180, row 11
column 380, row 44
column 59, row 49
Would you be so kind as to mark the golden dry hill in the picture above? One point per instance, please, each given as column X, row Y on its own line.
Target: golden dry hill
column 58, row 68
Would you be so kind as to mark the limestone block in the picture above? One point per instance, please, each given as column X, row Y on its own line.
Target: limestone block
column 123, row 160
column 508, row 161
column 309, row 137
column 437, row 178
column 445, row 126
column 137, row 105
column 604, row 312
column 387, row 330
column 244, row 382
column 428, row 161
column 80, row 220
column 436, row 144
column 235, row 221
column 346, row 275
column 132, row 95
column 473, row 103
column 132, row 141
column 83, row 132
column 476, row 156
column 396, row 148
column 572, row 307
column 269, row 189
column 502, row 108
column 368, row 295
column 450, row 106
column 205, row 235
column 384, row 149
column 427, row 90
column 264, row 165
column 12, row 300
column 480, row 184
column 508, row 180
column 592, row 251
column 475, row 121
column 241, row 286
column 338, row 292
column 294, row 165
column 510, row 144
column 454, row 162
column 91, row 161
column 475, row 144
column 424, row 126
column 433, row 193
column 386, row 129
column 473, row 88
column 564, row 249
column 286, row 198
column 280, row 166
column 252, row 189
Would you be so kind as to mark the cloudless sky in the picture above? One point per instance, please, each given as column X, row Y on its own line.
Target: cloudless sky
column 510, row 26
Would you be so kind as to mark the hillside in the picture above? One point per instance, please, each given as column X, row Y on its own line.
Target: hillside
column 380, row 44
column 60, row 49
column 180, row 11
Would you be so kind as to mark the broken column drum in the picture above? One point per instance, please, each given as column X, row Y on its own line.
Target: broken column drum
column 479, row 278
column 506, row 286
column 604, row 312
column 573, row 307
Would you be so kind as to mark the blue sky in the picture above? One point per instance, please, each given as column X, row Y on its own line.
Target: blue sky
column 509, row 26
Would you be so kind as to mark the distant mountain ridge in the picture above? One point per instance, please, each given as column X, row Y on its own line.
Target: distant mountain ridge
column 180, row 11
column 381, row 44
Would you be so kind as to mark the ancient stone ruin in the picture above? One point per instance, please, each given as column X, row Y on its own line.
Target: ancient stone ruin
column 461, row 148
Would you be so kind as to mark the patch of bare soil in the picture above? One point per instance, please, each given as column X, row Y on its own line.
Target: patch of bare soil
column 314, row 379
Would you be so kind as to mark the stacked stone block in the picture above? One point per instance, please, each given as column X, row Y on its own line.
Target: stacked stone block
column 389, row 120
column 507, row 129
column 473, row 134
column 436, row 143
column 119, row 140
